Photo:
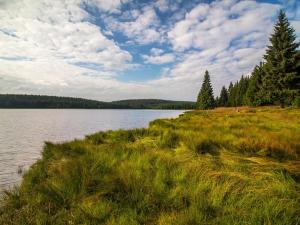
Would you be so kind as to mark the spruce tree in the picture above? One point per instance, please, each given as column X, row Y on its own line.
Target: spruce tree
column 217, row 101
column 256, row 92
column 240, row 91
column 230, row 94
column 223, row 100
column 234, row 94
column 282, row 68
column 206, row 98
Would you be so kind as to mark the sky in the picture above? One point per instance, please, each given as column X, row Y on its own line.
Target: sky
column 122, row 49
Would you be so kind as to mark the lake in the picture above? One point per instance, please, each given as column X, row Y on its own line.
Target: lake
column 24, row 131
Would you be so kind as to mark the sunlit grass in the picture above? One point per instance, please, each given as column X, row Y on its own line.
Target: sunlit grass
column 226, row 166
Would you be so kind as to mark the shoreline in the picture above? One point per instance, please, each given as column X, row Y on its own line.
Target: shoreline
column 54, row 126
column 202, row 163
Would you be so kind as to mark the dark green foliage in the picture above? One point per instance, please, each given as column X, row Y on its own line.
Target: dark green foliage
column 276, row 81
column 256, row 94
column 43, row 101
column 155, row 104
column 282, row 80
column 206, row 98
column 242, row 90
column 237, row 92
column 223, row 100
column 230, row 94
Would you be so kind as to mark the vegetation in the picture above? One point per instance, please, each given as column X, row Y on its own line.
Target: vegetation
column 276, row 81
column 223, row 100
column 282, row 67
column 206, row 98
column 225, row 166
column 206, row 167
column 42, row 101
column 255, row 94
column 155, row 104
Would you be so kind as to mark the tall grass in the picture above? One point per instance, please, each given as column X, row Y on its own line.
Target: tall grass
column 205, row 167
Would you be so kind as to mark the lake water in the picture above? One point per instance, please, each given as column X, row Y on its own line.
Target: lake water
column 23, row 132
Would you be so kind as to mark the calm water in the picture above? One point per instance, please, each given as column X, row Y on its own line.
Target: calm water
column 23, row 132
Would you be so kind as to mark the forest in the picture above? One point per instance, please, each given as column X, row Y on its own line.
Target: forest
column 275, row 81
column 54, row 102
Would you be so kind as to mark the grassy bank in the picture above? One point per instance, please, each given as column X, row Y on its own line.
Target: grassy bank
column 224, row 166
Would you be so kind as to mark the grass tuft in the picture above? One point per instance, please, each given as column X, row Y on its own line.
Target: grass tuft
column 222, row 166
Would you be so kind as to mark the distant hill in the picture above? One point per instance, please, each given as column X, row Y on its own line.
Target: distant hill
column 55, row 102
column 155, row 104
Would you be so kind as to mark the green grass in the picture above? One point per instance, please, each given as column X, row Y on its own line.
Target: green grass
column 224, row 166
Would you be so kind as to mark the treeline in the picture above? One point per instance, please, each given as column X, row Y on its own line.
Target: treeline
column 155, row 104
column 275, row 81
column 43, row 101
column 55, row 102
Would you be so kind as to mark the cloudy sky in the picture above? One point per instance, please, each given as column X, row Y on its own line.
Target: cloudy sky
column 120, row 49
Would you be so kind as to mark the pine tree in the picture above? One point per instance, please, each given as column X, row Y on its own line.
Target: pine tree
column 223, row 100
column 282, row 68
column 234, row 94
column 241, row 89
column 230, row 95
column 256, row 92
column 217, row 101
column 206, row 98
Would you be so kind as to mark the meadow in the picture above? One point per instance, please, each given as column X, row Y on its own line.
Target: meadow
column 223, row 166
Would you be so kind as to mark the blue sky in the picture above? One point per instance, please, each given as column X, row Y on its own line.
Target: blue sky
column 120, row 49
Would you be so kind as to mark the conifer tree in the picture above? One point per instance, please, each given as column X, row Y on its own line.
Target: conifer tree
column 230, row 95
column 256, row 91
column 206, row 98
column 241, row 89
column 223, row 100
column 234, row 94
column 217, row 101
column 282, row 68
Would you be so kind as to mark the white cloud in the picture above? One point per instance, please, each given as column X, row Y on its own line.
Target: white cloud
column 107, row 5
column 159, row 59
column 52, row 47
column 143, row 28
column 162, row 5
column 231, row 38
column 166, row 5
column 46, row 43
column 213, row 25
column 156, row 51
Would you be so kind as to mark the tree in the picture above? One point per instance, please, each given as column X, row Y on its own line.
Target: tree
column 256, row 92
column 241, row 89
column 282, row 67
column 230, row 95
column 223, row 100
column 206, row 98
